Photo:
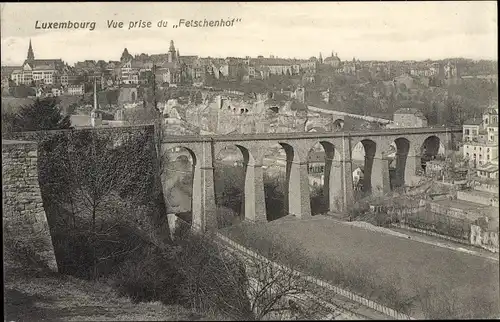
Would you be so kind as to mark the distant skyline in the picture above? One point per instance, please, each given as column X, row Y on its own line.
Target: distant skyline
column 365, row 30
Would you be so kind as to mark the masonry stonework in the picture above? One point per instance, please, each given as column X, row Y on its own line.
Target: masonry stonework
column 24, row 220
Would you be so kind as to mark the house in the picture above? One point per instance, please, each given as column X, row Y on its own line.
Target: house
column 56, row 91
column 357, row 178
column 471, row 129
column 409, row 117
column 76, row 90
column 488, row 171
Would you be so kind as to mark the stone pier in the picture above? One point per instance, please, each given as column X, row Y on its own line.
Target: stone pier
column 299, row 203
column 255, row 200
column 203, row 207
column 380, row 182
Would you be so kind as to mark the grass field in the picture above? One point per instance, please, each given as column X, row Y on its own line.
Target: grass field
column 408, row 265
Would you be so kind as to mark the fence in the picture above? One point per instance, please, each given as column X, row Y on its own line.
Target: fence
column 433, row 224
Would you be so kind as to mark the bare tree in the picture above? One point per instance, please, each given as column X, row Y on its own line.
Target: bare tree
column 99, row 188
column 277, row 292
column 240, row 286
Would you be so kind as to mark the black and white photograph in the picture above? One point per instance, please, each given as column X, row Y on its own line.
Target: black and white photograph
column 226, row 161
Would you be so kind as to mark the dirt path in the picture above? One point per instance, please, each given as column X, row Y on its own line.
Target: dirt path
column 64, row 298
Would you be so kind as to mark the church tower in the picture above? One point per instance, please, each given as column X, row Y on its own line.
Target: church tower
column 320, row 58
column 31, row 55
column 171, row 52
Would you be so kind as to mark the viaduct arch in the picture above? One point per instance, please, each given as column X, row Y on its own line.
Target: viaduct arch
column 411, row 144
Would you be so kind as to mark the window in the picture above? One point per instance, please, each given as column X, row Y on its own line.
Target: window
column 467, row 132
column 488, row 150
column 488, row 157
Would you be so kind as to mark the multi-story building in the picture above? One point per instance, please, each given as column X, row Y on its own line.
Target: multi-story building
column 37, row 70
column 76, row 89
column 471, row 129
column 351, row 67
column 481, row 139
column 276, row 66
column 129, row 75
column 311, row 64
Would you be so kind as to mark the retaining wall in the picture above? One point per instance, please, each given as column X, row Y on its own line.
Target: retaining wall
column 24, row 220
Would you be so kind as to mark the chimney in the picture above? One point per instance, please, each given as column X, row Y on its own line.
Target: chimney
column 95, row 95
column 95, row 116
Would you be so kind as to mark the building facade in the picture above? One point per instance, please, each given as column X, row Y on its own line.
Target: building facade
column 481, row 139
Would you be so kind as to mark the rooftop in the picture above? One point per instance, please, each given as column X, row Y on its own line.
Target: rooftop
column 488, row 167
column 474, row 121
column 408, row 110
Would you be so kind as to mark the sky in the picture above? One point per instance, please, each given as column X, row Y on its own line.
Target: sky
column 364, row 30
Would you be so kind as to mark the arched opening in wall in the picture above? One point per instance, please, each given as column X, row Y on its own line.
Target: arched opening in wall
column 178, row 170
column 362, row 163
column 229, row 180
column 430, row 154
column 274, row 164
column 397, row 156
column 316, row 166
column 338, row 124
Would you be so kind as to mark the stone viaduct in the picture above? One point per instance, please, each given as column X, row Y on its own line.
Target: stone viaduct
column 411, row 143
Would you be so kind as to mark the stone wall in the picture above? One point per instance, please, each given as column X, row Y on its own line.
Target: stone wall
column 24, row 220
column 483, row 238
column 486, row 199
column 38, row 136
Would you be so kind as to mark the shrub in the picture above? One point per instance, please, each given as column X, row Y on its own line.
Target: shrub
column 226, row 217
column 21, row 258
column 213, row 282
column 152, row 276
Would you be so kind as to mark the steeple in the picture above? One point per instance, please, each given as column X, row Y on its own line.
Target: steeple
column 31, row 55
column 320, row 58
column 172, row 47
